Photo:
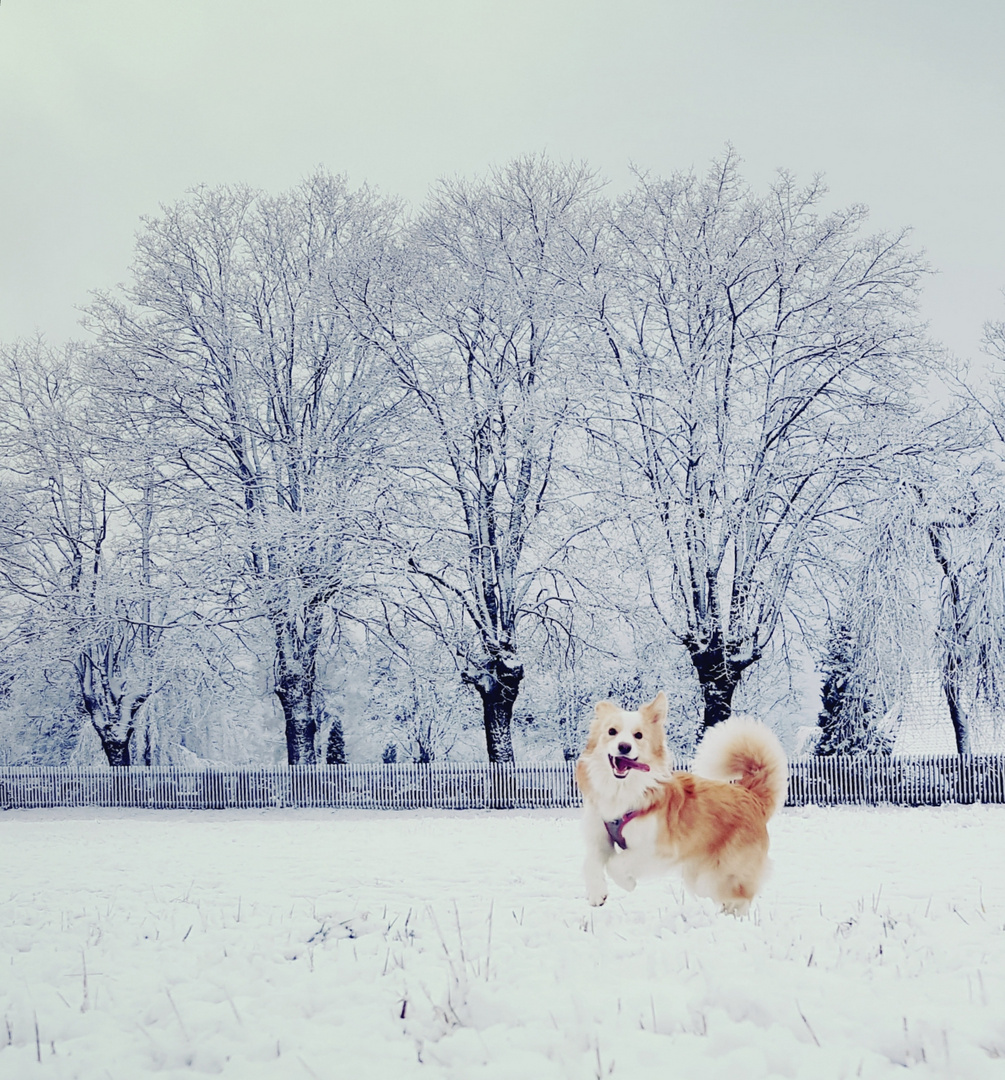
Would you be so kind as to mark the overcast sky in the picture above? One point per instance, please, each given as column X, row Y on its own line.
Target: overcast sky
column 109, row 108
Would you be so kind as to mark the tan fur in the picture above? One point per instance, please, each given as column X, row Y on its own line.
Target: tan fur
column 713, row 830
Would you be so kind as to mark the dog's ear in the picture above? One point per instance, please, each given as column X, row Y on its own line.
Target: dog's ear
column 656, row 711
column 604, row 709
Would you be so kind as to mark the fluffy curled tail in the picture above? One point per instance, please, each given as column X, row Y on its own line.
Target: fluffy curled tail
column 745, row 750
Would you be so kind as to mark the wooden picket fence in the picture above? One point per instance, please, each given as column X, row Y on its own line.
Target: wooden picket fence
column 914, row 781
column 825, row 781
column 449, row 786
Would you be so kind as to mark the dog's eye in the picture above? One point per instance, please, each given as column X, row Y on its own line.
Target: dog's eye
column 612, row 731
column 638, row 734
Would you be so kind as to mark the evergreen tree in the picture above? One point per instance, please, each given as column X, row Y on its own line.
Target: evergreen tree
column 848, row 719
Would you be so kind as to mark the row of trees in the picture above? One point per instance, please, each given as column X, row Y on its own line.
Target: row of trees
column 328, row 452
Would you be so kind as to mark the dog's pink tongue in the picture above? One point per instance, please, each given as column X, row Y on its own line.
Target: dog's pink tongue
column 630, row 763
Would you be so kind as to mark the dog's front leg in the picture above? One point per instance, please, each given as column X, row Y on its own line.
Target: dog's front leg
column 622, row 870
column 598, row 852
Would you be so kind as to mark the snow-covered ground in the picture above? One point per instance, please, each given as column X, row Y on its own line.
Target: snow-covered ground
column 397, row 945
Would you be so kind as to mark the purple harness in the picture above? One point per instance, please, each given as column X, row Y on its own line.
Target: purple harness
column 614, row 828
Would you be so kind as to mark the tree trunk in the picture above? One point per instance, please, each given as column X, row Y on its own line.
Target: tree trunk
column 112, row 717
column 114, row 743
column 301, row 728
column 952, row 663
column 718, row 677
column 497, row 683
column 116, row 750
column 957, row 713
column 295, row 672
column 295, row 690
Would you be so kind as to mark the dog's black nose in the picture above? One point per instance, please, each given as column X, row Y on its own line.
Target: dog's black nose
column 624, row 747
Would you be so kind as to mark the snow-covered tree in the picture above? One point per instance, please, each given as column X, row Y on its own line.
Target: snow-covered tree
column 480, row 328
column 964, row 521
column 231, row 338
column 85, row 550
column 760, row 355
column 924, row 595
column 960, row 506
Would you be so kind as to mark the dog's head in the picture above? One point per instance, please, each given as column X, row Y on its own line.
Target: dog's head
column 631, row 741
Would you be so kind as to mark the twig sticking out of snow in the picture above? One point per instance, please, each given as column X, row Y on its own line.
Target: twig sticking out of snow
column 488, row 947
column 813, row 1034
column 181, row 1023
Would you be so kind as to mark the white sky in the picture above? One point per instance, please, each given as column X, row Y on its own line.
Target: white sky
column 109, row 108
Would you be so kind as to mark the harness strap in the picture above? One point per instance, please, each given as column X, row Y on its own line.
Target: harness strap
column 615, row 827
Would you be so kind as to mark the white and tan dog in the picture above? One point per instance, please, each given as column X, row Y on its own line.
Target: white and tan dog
column 642, row 818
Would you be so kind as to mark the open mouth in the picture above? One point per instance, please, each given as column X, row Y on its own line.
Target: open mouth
column 622, row 766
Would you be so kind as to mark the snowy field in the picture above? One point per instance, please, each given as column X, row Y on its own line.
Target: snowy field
column 421, row 944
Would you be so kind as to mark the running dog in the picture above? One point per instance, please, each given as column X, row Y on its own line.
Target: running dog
column 641, row 817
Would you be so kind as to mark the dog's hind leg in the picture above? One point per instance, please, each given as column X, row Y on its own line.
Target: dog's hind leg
column 737, row 885
column 721, row 884
column 740, row 879
column 736, row 897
